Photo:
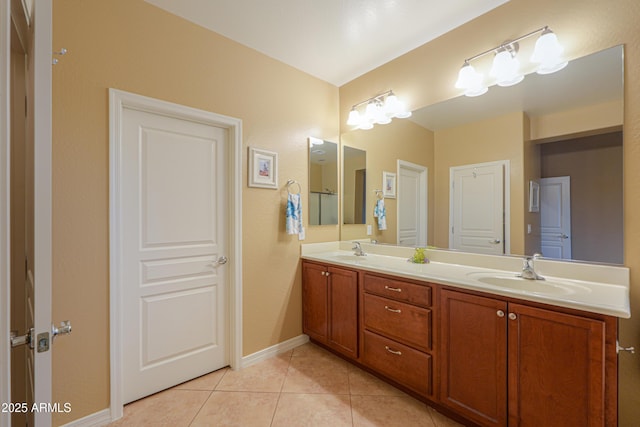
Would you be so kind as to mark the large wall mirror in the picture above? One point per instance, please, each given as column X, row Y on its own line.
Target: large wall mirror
column 354, row 183
column 565, row 126
column 323, row 182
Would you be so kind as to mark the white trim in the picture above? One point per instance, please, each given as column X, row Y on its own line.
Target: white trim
column 274, row 350
column 507, row 199
column 5, row 248
column 118, row 100
column 97, row 419
column 424, row 191
column 42, row 27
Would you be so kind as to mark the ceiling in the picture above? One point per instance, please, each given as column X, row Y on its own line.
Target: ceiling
column 334, row 40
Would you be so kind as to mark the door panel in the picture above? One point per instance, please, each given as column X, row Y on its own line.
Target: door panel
column 412, row 204
column 555, row 217
column 477, row 205
column 174, row 230
column 474, row 374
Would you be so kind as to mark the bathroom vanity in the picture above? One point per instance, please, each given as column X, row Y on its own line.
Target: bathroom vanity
column 476, row 342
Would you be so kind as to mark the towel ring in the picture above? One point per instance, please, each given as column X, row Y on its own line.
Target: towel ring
column 293, row 182
column 379, row 194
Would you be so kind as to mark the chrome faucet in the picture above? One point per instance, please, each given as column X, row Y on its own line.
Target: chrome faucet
column 528, row 268
column 358, row 249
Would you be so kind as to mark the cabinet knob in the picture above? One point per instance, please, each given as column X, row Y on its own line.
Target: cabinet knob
column 500, row 313
column 513, row 316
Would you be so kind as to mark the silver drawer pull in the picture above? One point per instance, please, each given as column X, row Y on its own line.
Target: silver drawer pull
column 389, row 288
column 393, row 310
column 396, row 352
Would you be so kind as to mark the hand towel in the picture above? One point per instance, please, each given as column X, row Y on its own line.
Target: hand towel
column 294, row 214
column 380, row 212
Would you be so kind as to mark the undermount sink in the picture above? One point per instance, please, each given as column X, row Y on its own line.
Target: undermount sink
column 516, row 283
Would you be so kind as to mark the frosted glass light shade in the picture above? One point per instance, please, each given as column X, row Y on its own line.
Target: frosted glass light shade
column 471, row 81
column 354, row 118
column 505, row 69
column 548, row 53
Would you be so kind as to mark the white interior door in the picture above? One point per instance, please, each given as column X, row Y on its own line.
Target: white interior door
column 174, row 244
column 555, row 217
column 412, row 204
column 26, row 63
column 477, row 208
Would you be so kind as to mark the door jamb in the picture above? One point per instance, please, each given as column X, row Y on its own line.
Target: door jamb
column 118, row 100
column 5, row 248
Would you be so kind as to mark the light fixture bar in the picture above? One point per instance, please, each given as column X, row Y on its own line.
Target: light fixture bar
column 373, row 98
column 505, row 44
column 380, row 110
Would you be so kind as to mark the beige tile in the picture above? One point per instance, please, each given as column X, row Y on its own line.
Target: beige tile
column 313, row 410
column 314, row 351
column 266, row 376
column 168, row 408
column 364, row 384
column 205, row 382
column 390, row 411
column 317, row 375
column 441, row 420
column 231, row 408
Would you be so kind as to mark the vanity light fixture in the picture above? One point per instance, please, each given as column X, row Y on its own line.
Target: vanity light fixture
column 379, row 110
column 505, row 70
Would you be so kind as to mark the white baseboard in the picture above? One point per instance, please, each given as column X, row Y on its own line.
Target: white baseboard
column 97, row 419
column 274, row 350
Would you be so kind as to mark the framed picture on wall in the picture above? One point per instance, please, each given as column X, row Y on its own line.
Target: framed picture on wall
column 389, row 184
column 263, row 168
column 534, row 196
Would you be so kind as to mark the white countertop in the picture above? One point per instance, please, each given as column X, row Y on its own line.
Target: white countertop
column 595, row 288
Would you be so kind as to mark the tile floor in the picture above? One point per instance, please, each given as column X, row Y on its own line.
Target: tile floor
column 307, row 386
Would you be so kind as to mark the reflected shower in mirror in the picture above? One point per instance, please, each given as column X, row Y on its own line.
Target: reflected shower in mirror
column 354, row 184
column 323, row 182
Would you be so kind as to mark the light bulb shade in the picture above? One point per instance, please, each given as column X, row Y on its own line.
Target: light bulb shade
column 471, row 81
column 548, row 53
column 505, row 69
column 391, row 105
column 354, row 118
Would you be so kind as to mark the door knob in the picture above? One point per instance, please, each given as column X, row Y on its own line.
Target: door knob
column 63, row 329
column 494, row 241
column 220, row 261
column 564, row 236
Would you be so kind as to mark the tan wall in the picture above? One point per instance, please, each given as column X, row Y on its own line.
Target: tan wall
column 499, row 138
column 584, row 120
column 594, row 165
column 399, row 140
column 427, row 75
column 133, row 46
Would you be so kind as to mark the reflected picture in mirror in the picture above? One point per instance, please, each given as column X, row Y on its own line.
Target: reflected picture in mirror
column 323, row 182
column 567, row 124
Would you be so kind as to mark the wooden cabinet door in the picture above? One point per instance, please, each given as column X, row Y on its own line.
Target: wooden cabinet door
column 315, row 301
column 343, row 311
column 556, row 369
column 473, row 357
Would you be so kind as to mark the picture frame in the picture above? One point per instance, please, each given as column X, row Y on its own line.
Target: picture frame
column 389, row 184
column 263, row 168
column 534, row 196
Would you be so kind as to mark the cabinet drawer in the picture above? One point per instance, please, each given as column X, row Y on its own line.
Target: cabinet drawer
column 399, row 290
column 405, row 365
column 403, row 322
